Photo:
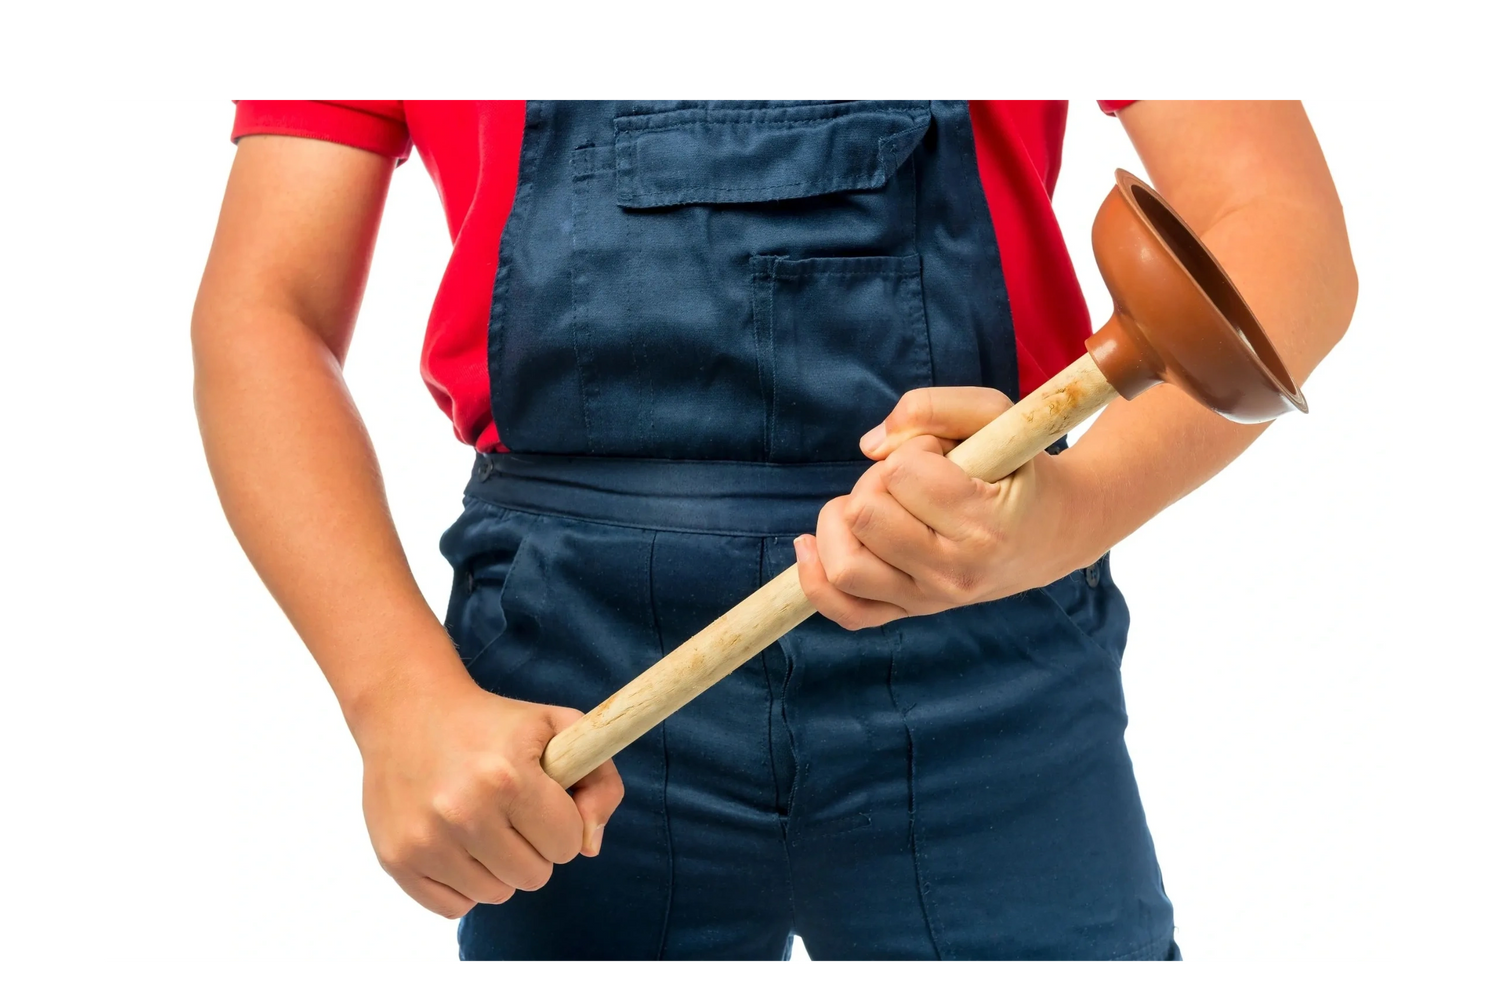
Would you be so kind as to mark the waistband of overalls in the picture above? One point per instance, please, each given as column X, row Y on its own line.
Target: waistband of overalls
column 709, row 497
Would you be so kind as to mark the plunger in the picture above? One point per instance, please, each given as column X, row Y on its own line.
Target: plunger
column 1177, row 318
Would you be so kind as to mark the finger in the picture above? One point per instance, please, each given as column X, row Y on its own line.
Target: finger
column 896, row 537
column 936, row 492
column 872, row 479
column 461, row 872
column 440, row 899
column 508, row 856
column 952, row 412
column 542, row 811
column 596, row 797
column 547, row 818
column 849, row 612
column 850, row 566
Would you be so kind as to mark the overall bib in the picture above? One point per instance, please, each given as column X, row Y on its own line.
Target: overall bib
column 699, row 308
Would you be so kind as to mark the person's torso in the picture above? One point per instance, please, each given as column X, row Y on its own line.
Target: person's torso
column 956, row 235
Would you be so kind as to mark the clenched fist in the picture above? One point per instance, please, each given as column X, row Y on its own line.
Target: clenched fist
column 458, row 808
column 917, row 535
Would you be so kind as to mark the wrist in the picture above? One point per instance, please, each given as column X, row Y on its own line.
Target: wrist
column 417, row 676
column 1086, row 531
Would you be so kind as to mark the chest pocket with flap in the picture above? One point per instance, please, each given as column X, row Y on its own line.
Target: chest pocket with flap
column 746, row 283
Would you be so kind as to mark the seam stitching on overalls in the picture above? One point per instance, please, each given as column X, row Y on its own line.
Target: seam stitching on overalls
column 932, row 930
column 770, row 706
column 790, row 798
column 697, row 117
column 578, row 312
column 762, row 304
column 785, row 123
column 655, row 622
column 773, row 431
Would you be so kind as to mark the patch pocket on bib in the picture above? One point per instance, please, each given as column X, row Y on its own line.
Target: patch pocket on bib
column 726, row 155
column 839, row 340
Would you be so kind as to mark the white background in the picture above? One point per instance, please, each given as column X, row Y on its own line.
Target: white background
column 1310, row 673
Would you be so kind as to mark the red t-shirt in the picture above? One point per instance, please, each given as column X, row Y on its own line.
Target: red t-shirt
column 472, row 151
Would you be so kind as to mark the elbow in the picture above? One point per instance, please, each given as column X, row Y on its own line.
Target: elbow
column 1342, row 289
column 206, row 326
column 201, row 338
column 206, row 337
column 1332, row 291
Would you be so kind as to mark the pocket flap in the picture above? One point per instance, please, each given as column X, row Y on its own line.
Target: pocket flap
column 726, row 155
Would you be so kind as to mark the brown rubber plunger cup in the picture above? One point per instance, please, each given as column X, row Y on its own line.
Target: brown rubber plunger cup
column 1177, row 318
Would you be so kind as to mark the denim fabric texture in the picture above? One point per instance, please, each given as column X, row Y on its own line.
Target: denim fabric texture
column 699, row 308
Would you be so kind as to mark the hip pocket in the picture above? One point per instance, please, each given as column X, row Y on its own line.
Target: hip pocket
column 1089, row 604
column 839, row 340
column 489, row 550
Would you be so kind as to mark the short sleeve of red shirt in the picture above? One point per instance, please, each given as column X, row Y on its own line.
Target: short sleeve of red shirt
column 376, row 126
column 1114, row 107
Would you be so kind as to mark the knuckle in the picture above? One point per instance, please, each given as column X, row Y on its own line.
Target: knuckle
column 898, row 468
column 535, row 879
column 501, row 778
column 831, row 511
column 841, row 574
column 916, row 408
column 501, row 893
column 852, row 621
column 861, row 514
column 404, row 852
column 452, row 911
column 451, row 808
column 821, row 601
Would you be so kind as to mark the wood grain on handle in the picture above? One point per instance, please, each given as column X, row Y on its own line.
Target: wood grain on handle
column 1034, row 423
column 1000, row 447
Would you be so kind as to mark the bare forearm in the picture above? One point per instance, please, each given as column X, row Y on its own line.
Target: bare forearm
column 1289, row 258
column 301, row 488
column 458, row 807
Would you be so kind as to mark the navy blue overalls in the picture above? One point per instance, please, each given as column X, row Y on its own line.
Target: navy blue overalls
column 699, row 309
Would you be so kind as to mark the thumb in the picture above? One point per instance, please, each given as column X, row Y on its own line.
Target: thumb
column 596, row 797
column 597, row 794
column 951, row 412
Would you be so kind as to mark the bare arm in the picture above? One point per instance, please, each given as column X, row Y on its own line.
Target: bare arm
column 458, row 808
column 294, row 467
column 917, row 535
column 1249, row 177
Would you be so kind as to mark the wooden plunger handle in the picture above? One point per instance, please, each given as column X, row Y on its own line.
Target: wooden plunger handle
column 1009, row 441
